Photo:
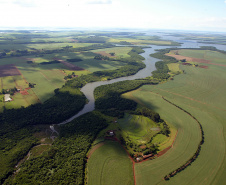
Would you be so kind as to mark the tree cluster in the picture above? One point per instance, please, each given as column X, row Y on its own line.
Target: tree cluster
column 65, row 161
column 9, row 91
column 101, row 57
column 108, row 97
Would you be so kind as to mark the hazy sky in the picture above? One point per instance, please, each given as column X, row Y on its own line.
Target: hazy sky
column 209, row 15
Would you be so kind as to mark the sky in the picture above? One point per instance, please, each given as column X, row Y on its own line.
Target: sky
column 199, row 15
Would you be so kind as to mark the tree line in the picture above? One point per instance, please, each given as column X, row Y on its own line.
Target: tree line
column 195, row 155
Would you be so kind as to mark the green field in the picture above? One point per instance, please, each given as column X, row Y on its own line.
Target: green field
column 46, row 81
column 139, row 128
column 214, row 56
column 13, row 81
column 19, row 100
column 174, row 67
column 110, row 164
column 119, row 51
column 201, row 92
column 140, row 42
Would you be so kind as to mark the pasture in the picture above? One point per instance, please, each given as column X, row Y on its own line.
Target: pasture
column 139, row 129
column 110, row 164
column 174, row 67
column 201, row 92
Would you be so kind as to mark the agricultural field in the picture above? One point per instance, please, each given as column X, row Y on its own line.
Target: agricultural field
column 48, row 77
column 110, row 164
column 119, row 51
column 201, row 92
column 135, row 41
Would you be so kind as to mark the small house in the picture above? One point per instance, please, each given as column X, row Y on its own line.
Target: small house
column 7, row 98
column 110, row 133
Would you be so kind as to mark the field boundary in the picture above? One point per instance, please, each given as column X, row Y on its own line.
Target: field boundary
column 94, row 149
column 195, row 156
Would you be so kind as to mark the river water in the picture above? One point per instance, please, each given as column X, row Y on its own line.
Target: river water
column 88, row 89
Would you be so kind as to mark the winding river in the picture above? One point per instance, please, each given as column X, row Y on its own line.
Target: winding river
column 88, row 89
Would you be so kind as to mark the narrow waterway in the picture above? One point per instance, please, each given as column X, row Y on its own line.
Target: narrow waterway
column 88, row 89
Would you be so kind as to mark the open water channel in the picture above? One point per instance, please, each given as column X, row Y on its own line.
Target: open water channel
column 88, row 89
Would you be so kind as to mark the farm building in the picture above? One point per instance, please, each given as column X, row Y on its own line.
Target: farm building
column 110, row 133
column 7, row 97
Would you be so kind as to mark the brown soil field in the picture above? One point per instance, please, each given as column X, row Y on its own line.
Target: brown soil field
column 204, row 67
column 24, row 92
column 9, row 70
column 198, row 60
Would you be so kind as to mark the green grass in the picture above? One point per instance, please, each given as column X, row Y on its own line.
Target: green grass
column 38, row 150
column 174, row 67
column 202, row 93
column 138, row 128
column 17, row 102
column 159, row 138
column 110, row 164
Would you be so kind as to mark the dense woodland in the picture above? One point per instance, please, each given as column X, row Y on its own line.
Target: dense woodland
column 65, row 161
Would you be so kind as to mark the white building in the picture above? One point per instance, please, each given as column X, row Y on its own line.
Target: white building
column 7, row 97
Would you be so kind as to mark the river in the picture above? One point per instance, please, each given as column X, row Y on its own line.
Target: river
column 88, row 89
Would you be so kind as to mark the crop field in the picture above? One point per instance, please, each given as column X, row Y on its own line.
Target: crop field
column 93, row 65
column 46, row 81
column 13, row 81
column 110, row 164
column 214, row 56
column 140, row 42
column 58, row 45
column 187, row 140
column 201, row 56
column 201, row 92
column 46, row 77
column 50, row 46
column 119, row 51
column 139, row 128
